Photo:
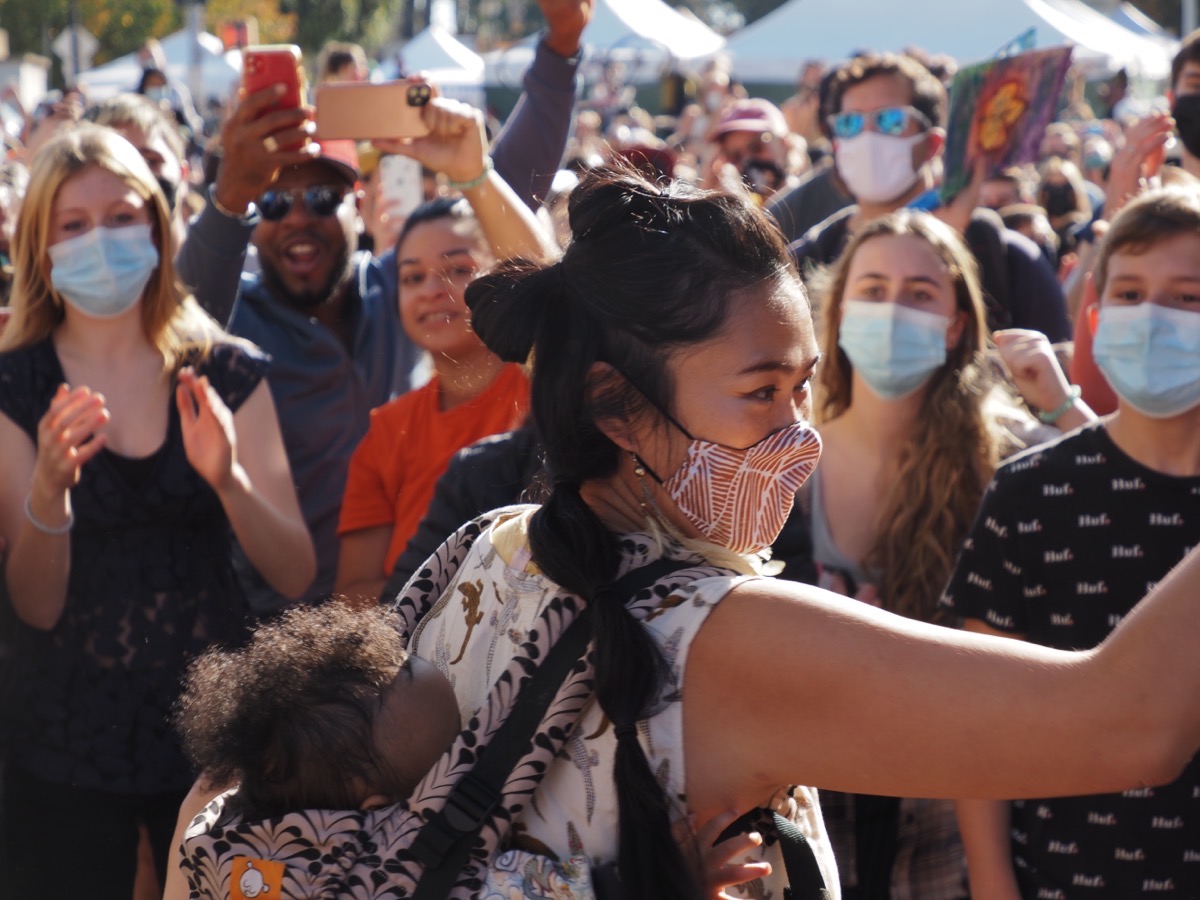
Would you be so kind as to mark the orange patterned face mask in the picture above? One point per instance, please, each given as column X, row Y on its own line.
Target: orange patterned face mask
column 741, row 498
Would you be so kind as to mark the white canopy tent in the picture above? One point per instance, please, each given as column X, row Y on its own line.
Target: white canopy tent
column 644, row 35
column 1137, row 21
column 452, row 65
column 1129, row 16
column 772, row 49
column 219, row 72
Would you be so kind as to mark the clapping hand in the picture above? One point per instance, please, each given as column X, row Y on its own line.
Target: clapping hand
column 209, row 438
column 67, row 439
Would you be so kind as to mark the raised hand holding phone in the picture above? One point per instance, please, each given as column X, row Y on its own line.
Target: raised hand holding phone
column 269, row 130
column 455, row 145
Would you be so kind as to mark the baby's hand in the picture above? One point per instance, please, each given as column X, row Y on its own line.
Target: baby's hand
column 727, row 863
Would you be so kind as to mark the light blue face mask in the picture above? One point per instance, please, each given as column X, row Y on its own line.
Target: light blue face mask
column 102, row 273
column 1150, row 354
column 894, row 348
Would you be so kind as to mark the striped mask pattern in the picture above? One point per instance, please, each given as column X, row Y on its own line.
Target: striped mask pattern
column 740, row 499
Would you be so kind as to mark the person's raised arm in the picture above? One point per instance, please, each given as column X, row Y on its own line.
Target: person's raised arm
column 211, row 257
column 456, row 145
column 241, row 456
column 836, row 694
column 1136, row 165
column 35, row 500
column 1029, row 358
column 529, row 149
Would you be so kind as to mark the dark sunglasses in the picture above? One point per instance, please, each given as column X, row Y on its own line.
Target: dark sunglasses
column 891, row 120
column 321, row 201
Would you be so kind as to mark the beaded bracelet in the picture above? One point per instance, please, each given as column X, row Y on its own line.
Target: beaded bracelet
column 1049, row 418
column 56, row 530
column 474, row 182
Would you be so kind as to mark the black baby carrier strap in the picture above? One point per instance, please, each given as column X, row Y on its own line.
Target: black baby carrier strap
column 444, row 843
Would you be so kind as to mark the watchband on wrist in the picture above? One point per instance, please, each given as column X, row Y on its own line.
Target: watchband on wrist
column 249, row 217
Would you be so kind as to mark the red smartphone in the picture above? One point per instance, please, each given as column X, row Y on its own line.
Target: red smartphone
column 360, row 111
column 268, row 64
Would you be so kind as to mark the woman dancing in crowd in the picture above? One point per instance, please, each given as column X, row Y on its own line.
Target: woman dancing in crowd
column 136, row 436
column 673, row 353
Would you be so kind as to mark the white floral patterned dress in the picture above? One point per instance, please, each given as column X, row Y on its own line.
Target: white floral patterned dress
column 473, row 629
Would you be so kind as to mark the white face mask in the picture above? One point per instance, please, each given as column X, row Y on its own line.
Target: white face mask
column 877, row 167
column 1150, row 354
column 103, row 272
column 894, row 348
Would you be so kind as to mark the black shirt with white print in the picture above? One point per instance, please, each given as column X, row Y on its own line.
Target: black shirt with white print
column 1069, row 538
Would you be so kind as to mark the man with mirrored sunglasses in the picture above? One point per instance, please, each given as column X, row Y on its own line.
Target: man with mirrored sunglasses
column 884, row 114
column 329, row 316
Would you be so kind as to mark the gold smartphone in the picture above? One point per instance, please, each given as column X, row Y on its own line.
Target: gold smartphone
column 360, row 111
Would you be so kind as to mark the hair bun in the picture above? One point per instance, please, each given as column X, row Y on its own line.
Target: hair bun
column 508, row 306
column 623, row 198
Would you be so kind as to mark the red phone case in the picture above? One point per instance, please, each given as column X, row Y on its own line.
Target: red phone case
column 270, row 64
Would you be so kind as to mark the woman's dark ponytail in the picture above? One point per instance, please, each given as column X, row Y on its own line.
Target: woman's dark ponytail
column 648, row 270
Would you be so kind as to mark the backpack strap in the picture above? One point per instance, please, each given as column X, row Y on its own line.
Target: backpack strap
column 444, row 843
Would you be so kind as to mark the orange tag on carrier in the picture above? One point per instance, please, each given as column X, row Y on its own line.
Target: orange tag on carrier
column 256, row 878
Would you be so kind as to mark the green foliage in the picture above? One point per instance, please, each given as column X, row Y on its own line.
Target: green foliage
column 121, row 26
column 366, row 22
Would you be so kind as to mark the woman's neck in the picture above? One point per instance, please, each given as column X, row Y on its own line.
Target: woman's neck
column 625, row 500
column 881, row 423
column 463, row 378
column 111, row 342
column 1170, row 446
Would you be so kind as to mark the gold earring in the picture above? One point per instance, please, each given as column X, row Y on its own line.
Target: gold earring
column 639, row 469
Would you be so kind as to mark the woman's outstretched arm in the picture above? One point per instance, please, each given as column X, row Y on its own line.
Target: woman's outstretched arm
column 827, row 692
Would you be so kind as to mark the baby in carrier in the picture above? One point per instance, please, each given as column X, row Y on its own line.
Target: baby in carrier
column 322, row 711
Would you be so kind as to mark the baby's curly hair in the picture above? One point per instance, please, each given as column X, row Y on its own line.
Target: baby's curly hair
column 290, row 715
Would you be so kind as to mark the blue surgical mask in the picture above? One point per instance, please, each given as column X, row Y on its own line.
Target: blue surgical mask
column 894, row 348
column 102, row 273
column 1150, row 354
column 158, row 94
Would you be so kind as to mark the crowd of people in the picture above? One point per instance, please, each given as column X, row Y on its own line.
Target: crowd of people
column 295, row 483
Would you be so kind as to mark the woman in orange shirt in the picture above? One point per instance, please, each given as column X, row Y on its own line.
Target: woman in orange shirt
column 472, row 394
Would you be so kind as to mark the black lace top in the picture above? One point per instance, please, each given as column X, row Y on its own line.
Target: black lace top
column 151, row 584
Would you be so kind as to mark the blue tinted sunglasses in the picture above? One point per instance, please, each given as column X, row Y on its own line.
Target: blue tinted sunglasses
column 891, row 120
column 322, row 201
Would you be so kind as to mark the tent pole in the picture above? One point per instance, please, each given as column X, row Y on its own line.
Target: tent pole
column 73, row 24
column 195, row 12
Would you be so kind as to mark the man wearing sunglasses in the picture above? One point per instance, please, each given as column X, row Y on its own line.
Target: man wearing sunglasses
column 329, row 316
column 885, row 114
